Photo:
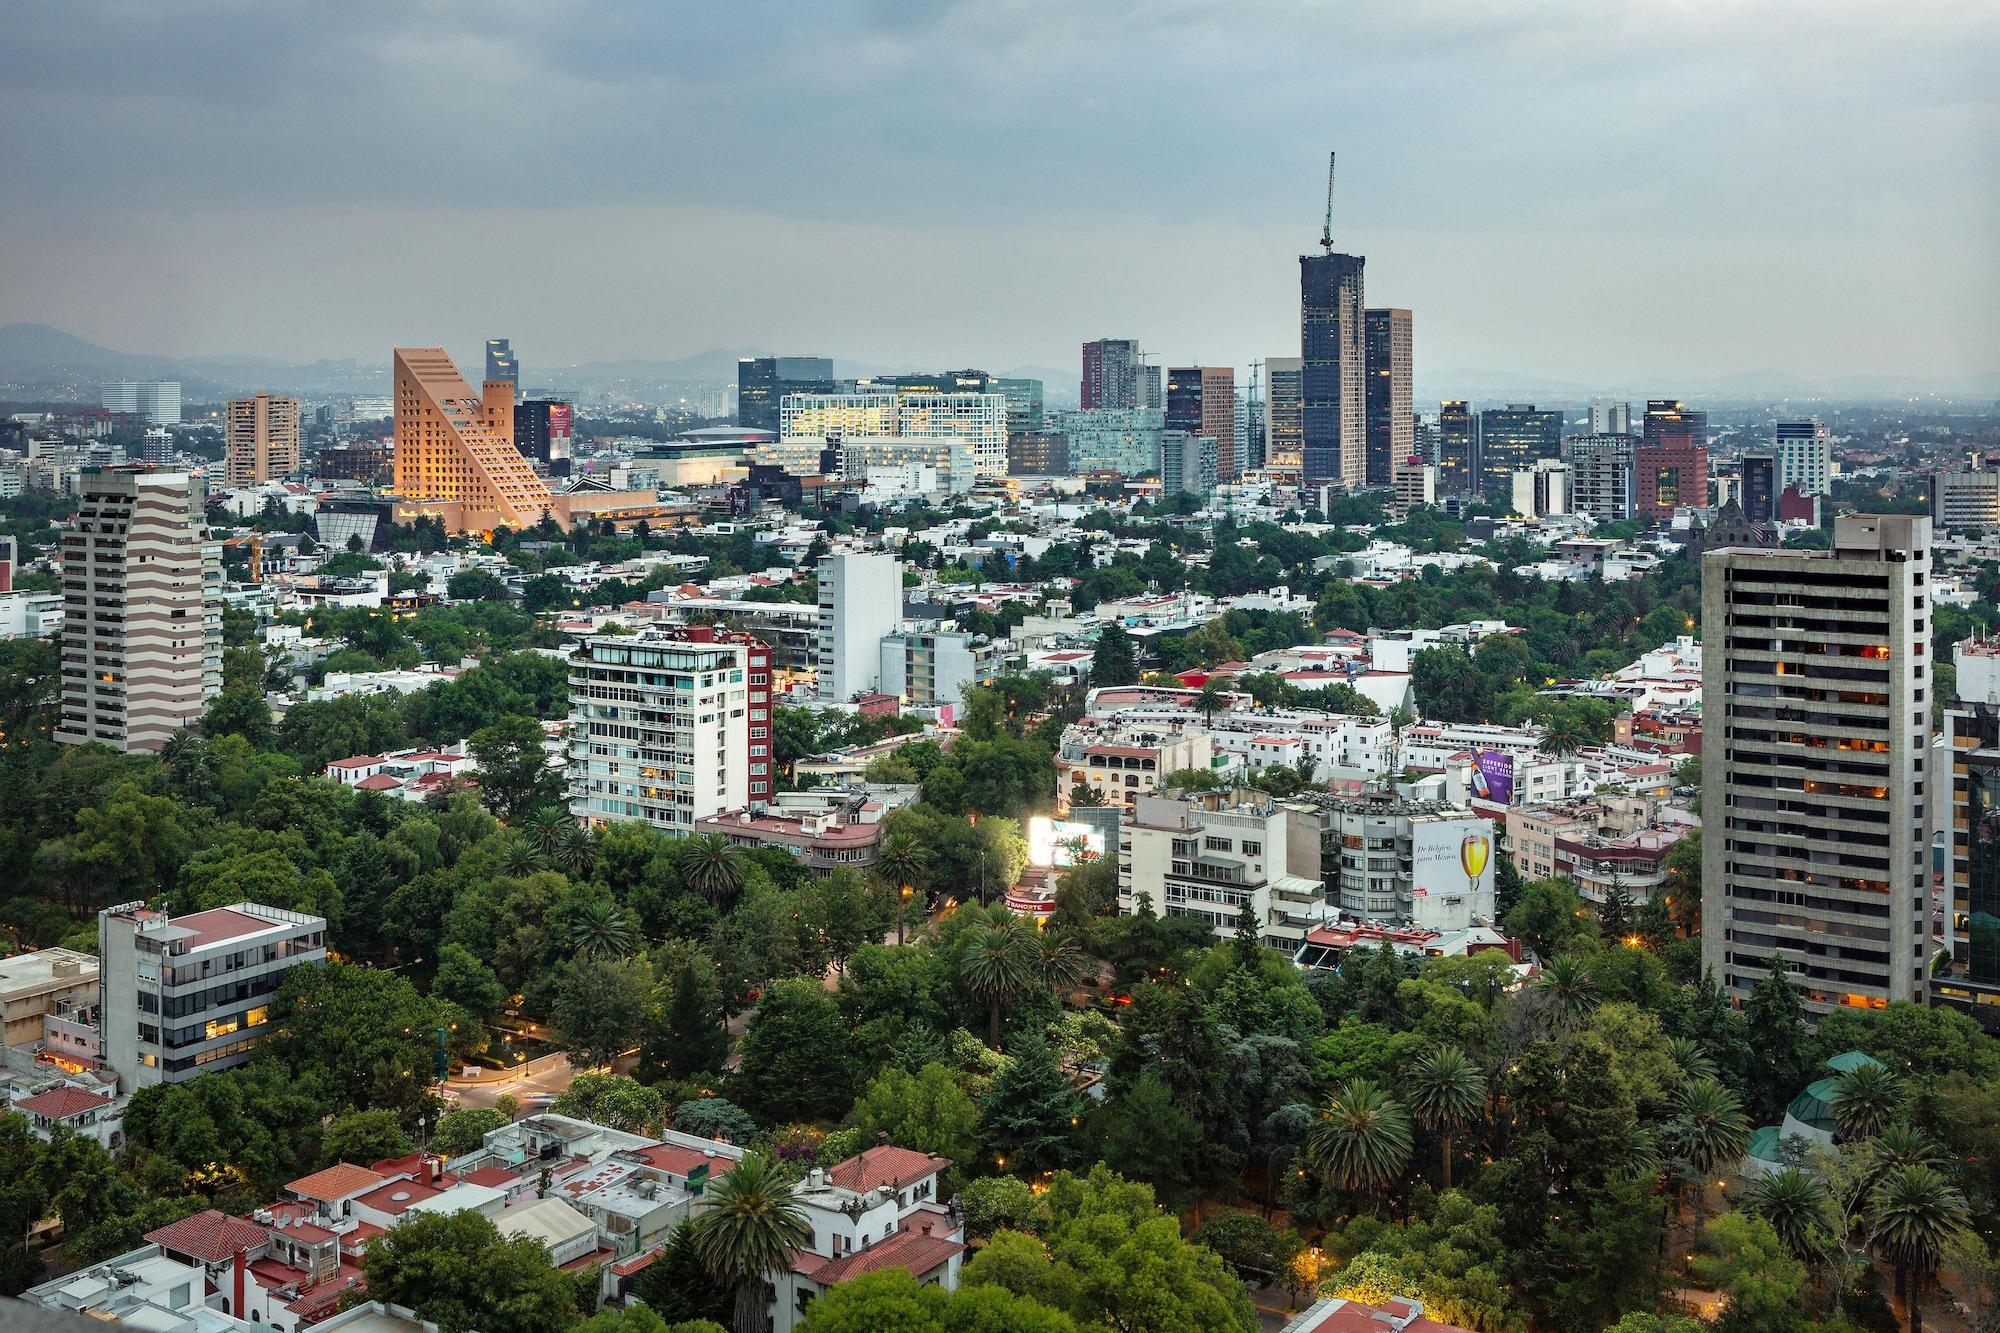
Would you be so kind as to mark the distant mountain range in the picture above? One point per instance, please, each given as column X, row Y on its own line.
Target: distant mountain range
column 38, row 361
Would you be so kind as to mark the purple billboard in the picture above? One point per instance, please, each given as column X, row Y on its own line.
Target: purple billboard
column 1493, row 776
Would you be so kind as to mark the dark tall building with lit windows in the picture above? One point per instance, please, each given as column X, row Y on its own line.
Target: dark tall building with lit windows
column 1333, row 402
column 1457, row 448
column 541, row 433
column 1111, row 369
column 501, row 364
column 763, row 381
column 1972, row 894
column 1392, row 426
column 1513, row 439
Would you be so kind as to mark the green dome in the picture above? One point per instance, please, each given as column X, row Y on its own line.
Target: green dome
column 1849, row 1061
column 1764, row 1144
column 1813, row 1108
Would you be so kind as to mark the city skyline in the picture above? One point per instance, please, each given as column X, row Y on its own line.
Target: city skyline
column 150, row 244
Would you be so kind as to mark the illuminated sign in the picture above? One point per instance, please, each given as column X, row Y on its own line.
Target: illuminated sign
column 1062, row 842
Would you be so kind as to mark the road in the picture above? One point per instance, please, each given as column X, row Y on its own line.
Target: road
column 548, row 1081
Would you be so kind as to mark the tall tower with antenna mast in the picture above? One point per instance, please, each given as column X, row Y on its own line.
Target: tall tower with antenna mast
column 1333, row 438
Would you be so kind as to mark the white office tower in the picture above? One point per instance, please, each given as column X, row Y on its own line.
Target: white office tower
column 1608, row 416
column 1817, row 771
column 1805, row 457
column 659, row 730
column 142, row 622
column 1543, row 490
column 1966, row 499
column 860, row 604
column 182, row 996
column 1601, row 475
column 980, row 419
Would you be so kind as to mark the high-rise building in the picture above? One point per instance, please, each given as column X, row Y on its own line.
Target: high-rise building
column 1416, row 484
column 150, row 402
column 1284, row 413
column 1513, row 439
column 1601, row 474
column 1817, row 771
column 1758, row 488
column 501, row 364
column 1670, row 466
column 260, row 438
column 1152, row 392
column 157, row 447
column 1610, row 416
column 1201, row 400
column 1123, row 440
column 542, row 433
column 1543, row 491
column 980, row 419
column 1805, row 457
column 763, row 381
column 1024, row 403
column 1333, row 395
column 1190, row 463
column 1110, row 374
column 1968, row 498
column 1038, row 453
column 183, row 996
column 1972, row 893
column 860, row 604
column 669, row 726
column 453, row 445
column 1391, row 434
column 142, row 609
column 1457, row 448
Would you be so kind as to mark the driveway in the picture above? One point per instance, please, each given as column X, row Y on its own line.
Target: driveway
column 542, row 1082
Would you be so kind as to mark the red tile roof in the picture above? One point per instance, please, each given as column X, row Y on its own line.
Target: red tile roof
column 61, row 1103
column 210, row 1235
column 913, row 1250
column 885, row 1165
column 680, row 1160
column 493, row 1177
column 357, row 761
column 340, row 1181
column 1354, row 1317
column 638, row 1263
column 379, row 782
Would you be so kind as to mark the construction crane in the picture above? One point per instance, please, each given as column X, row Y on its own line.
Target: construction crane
column 1326, row 231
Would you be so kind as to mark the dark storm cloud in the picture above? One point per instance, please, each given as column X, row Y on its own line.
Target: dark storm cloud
column 1574, row 189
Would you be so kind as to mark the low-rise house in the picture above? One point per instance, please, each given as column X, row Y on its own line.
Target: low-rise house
column 1121, row 763
column 824, row 827
column 876, row 1210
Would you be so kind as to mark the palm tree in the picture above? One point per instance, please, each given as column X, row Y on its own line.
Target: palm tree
column 1562, row 737
column 1446, row 1092
column 1797, row 1205
column 1865, row 1101
column 1059, row 963
column 745, row 1229
column 1912, row 1213
column 1361, row 1141
column 1689, row 1057
column 573, row 851
column 1568, row 987
column 545, row 829
column 519, row 859
column 1209, row 702
column 996, row 963
column 711, row 865
column 600, row 930
column 905, row 867
column 1709, row 1127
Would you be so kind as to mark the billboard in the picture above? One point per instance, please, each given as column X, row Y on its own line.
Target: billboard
column 559, row 422
column 1451, row 871
column 1060, row 843
column 1493, row 776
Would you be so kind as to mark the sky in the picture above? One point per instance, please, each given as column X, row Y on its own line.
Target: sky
column 1590, row 191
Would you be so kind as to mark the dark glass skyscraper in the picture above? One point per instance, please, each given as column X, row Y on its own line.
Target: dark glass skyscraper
column 1512, row 439
column 1458, row 448
column 763, row 381
column 501, row 363
column 1333, row 406
column 541, row 433
column 1392, row 428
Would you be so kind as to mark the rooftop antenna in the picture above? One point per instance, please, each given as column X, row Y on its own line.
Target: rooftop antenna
column 1326, row 231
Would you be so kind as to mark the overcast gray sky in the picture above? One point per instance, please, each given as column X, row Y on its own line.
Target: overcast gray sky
column 1579, row 189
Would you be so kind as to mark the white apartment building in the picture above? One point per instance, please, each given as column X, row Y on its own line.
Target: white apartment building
column 180, row 996
column 1415, row 482
column 1805, row 457
column 979, row 419
column 861, row 603
column 927, row 668
column 1207, row 856
column 1543, row 490
column 659, row 730
column 1422, row 862
column 142, row 632
column 1817, row 771
column 867, row 458
column 1601, row 473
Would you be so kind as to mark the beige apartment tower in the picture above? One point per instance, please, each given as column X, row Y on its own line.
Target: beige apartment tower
column 1817, row 771
column 142, row 609
column 262, row 438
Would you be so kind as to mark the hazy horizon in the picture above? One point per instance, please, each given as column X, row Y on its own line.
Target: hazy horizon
column 1571, row 192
